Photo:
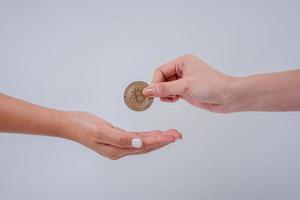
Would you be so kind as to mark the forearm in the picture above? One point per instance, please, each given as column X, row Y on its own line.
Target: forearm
column 266, row 92
column 23, row 117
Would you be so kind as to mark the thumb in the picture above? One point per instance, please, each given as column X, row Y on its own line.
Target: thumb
column 164, row 89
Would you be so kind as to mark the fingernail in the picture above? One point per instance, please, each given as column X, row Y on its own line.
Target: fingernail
column 136, row 143
column 149, row 91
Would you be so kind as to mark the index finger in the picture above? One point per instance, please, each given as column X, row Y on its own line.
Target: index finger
column 164, row 72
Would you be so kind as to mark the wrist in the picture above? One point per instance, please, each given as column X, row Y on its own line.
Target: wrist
column 227, row 96
column 234, row 95
column 63, row 127
column 73, row 126
column 245, row 94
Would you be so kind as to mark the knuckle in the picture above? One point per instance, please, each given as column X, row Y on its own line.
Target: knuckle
column 157, row 70
column 188, row 56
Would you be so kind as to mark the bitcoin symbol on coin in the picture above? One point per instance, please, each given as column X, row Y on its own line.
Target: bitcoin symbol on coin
column 134, row 97
column 138, row 95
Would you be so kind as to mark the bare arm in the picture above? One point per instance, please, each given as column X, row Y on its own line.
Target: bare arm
column 267, row 92
column 87, row 129
column 23, row 117
column 192, row 79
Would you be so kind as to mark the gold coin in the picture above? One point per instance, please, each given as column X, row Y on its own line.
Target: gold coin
column 134, row 97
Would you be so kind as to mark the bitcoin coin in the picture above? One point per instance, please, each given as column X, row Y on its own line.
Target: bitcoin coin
column 134, row 97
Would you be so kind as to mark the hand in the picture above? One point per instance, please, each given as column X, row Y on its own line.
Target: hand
column 190, row 78
column 110, row 141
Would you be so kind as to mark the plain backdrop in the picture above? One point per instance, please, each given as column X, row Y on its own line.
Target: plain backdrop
column 81, row 55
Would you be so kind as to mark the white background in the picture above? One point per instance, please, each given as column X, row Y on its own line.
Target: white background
column 80, row 55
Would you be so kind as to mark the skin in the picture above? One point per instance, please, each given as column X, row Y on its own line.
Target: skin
column 187, row 77
column 87, row 129
column 191, row 79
